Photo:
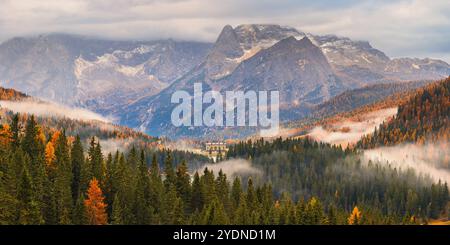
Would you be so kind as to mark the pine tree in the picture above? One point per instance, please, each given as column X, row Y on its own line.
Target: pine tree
column 223, row 191
column 314, row 212
column 116, row 217
column 183, row 184
column 8, row 206
column 208, row 186
column 96, row 160
column 15, row 131
column 214, row 214
column 125, row 184
column 77, row 159
column 108, row 189
column 29, row 144
column 156, row 189
column 143, row 202
column 169, row 207
column 169, row 171
column 79, row 211
column 241, row 216
column 197, row 197
column 179, row 217
column 332, row 215
column 94, row 205
column 251, row 195
column 63, row 180
column 236, row 191
column 29, row 209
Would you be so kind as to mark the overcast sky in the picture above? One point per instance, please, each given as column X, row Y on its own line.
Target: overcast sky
column 416, row 28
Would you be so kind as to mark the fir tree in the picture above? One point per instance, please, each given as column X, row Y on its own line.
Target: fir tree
column 77, row 159
column 196, row 197
column 183, row 184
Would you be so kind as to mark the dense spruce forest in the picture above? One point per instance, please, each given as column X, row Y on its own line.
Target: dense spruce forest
column 308, row 169
column 424, row 117
column 47, row 179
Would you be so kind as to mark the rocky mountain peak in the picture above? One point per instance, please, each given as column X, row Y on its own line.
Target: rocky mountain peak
column 305, row 42
column 227, row 44
column 291, row 45
column 264, row 35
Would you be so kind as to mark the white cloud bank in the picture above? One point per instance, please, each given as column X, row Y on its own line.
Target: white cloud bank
column 400, row 28
column 431, row 159
column 50, row 109
column 232, row 168
column 349, row 131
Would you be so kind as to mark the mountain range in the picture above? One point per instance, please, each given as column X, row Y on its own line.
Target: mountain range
column 134, row 80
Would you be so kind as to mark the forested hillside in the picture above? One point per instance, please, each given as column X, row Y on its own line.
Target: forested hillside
column 425, row 116
column 11, row 94
column 340, row 180
column 360, row 97
column 59, row 185
column 354, row 106
column 84, row 128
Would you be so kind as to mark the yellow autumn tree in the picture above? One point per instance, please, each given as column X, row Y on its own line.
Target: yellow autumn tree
column 40, row 135
column 355, row 217
column 55, row 137
column 95, row 206
column 50, row 155
column 5, row 135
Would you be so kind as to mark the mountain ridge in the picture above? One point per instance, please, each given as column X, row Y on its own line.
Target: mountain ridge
column 133, row 80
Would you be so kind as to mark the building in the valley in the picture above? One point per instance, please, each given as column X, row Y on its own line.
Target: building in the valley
column 215, row 150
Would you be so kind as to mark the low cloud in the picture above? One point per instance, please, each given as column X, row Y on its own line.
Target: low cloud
column 350, row 131
column 400, row 28
column 432, row 159
column 50, row 109
column 232, row 168
column 113, row 145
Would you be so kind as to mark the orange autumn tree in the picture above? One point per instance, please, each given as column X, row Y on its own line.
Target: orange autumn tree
column 50, row 154
column 5, row 135
column 355, row 217
column 95, row 206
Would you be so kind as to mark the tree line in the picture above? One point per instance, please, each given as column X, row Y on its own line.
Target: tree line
column 341, row 179
column 424, row 117
column 49, row 179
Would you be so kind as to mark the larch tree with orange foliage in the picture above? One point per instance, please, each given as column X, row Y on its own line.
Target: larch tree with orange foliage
column 355, row 217
column 50, row 154
column 94, row 205
column 5, row 135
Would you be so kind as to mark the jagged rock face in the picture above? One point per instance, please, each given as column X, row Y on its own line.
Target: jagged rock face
column 236, row 45
column 306, row 69
column 264, row 35
column 99, row 74
column 415, row 69
column 354, row 61
column 220, row 60
column 296, row 68
column 343, row 52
